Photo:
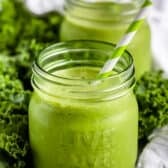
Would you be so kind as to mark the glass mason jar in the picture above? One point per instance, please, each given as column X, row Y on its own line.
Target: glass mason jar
column 107, row 21
column 76, row 122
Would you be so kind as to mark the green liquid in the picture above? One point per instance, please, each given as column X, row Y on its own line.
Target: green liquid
column 140, row 46
column 76, row 134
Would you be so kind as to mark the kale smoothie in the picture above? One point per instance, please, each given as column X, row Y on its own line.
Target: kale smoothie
column 107, row 21
column 74, row 123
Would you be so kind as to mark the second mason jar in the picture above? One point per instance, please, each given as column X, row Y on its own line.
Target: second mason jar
column 75, row 122
column 107, row 21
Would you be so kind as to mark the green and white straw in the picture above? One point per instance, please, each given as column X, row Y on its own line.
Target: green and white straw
column 127, row 38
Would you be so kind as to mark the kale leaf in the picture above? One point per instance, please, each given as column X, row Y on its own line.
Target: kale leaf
column 152, row 95
column 18, row 25
column 14, row 141
column 23, row 35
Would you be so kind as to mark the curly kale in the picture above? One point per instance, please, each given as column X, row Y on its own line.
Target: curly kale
column 27, row 51
column 152, row 96
column 18, row 24
column 14, row 143
column 24, row 35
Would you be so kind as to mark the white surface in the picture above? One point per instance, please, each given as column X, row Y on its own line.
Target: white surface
column 159, row 27
column 43, row 6
column 155, row 154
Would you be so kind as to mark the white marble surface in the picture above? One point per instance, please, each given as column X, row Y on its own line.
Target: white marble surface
column 155, row 154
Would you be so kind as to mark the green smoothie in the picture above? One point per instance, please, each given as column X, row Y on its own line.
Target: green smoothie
column 105, row 23
column 68, row 133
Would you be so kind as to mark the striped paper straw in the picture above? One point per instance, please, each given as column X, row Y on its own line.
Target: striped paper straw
column 122, row 45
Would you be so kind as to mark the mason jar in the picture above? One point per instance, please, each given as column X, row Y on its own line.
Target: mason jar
column 107, row 21
column 77, row 120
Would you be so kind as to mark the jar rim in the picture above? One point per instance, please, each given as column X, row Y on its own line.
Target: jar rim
column 90, row 4
column 77, row 88
column 108, row 12
column 62, row 44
